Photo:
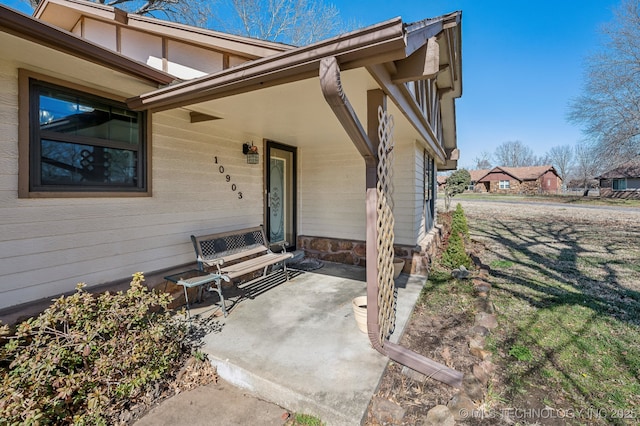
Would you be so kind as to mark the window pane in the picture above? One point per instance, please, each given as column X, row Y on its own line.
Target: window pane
column 66, row 163
column 72, row 114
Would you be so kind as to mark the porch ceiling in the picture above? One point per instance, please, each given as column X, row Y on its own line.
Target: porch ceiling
column 296, row 113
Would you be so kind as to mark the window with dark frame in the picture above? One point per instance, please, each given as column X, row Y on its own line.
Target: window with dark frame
column 428, row 187
column 81, row 142
column 619, row 184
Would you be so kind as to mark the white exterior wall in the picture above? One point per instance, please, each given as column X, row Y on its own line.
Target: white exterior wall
column 143, row 47
column 408, row 192
column 100, row 33
column 332, row 191
column 49, row 245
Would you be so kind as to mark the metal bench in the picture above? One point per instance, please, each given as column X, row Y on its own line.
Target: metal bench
column 239, row 253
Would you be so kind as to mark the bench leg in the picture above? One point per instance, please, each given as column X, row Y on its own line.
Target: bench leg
column 222, row 302
column 186, row 298
column 286, row 273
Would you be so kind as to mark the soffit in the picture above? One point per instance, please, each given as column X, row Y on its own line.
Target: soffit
column 45, row 60
column 297, row 113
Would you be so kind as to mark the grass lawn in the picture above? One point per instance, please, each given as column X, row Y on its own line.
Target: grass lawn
column 567, row 294
column 563, row 199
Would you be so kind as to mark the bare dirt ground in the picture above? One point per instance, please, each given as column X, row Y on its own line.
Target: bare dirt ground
column 584, row 250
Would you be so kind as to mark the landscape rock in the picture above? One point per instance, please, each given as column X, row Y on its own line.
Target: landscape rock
column 461, row 406
column 478, row 330
column 480, row 374
column 480, row 353
column 486, row 320
column 483, row 304
column 440, row 415
column 473, row 387
column 385, row 411
column 460, row 273
column 476, row 342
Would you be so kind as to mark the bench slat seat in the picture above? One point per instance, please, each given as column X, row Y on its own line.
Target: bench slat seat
column 238, row 253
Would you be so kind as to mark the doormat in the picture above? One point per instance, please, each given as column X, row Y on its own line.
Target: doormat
column 306, row 264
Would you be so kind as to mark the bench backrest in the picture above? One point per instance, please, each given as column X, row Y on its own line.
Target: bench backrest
column 229, row 246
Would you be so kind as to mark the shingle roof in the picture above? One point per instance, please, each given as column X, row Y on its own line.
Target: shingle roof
column 528, row 173
column 520, row 173
column 477, row 174
column 628, row 169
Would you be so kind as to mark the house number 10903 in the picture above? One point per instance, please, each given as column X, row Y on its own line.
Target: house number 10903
column 227, row 177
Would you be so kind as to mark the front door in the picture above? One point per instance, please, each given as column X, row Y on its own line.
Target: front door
column 281, row 193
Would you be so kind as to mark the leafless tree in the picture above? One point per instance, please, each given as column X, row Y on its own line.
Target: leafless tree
column 609, row 107
column 482, row 161
column 587, row 165
column 191, row 12
column 562, row 158
column 514, row 154
column 296, row 22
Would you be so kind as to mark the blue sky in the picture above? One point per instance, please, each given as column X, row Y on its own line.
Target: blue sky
column 522, row 63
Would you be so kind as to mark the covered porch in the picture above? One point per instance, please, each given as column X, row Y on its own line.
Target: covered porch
column 296, row 343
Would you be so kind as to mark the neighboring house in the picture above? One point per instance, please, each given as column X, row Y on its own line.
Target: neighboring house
column 519, row 180
column 623, row 181
column 442, row 182
column 123, row 135
column 475, row 176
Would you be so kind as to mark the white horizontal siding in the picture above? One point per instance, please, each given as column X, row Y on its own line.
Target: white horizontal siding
column 332, row 191
column 48, row 245
column 407, row 192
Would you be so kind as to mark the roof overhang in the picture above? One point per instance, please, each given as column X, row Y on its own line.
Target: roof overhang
column 27, row 28
column 67, row 13
column 375, row 44
column 379, row 50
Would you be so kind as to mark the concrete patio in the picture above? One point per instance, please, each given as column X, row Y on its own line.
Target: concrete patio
column 296, row 343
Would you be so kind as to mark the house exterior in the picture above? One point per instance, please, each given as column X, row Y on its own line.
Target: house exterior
column 518, row 180
column 622, row 181
column 475, row 175
column 123, row 135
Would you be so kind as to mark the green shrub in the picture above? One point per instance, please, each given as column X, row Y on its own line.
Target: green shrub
column 87, row 357
column 455, row 254
column 459, row 222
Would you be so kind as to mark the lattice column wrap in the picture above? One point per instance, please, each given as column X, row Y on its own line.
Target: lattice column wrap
column 385, row 223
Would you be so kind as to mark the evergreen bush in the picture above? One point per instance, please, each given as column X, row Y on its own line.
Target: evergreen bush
column 459, row 222
column 455, row 254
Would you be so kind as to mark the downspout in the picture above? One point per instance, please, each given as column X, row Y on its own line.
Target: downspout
column 336, row 98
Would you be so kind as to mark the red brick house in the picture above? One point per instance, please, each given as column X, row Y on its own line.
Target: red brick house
column 519, row 180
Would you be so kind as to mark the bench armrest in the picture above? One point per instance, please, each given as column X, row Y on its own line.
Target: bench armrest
column 210, row 263
column 283, row 245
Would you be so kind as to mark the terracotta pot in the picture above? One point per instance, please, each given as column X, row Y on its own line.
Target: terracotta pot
column 398, row 264
column 359, row 305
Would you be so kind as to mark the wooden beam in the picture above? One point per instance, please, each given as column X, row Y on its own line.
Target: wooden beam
column 422, row 64
column 197, row 117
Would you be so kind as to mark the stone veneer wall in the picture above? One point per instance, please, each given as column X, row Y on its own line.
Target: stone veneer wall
column 352, row 252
